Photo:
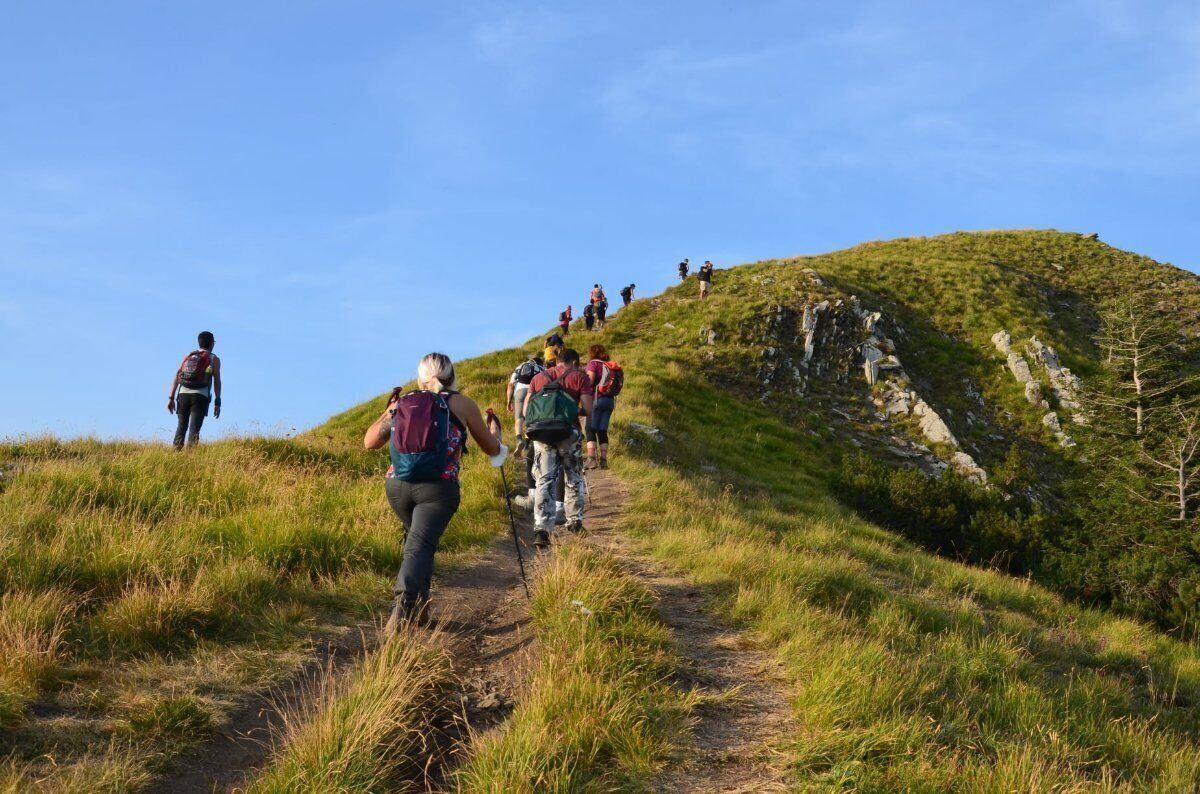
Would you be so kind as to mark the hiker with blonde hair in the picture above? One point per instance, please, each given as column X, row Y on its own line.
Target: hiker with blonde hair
column 426, row 434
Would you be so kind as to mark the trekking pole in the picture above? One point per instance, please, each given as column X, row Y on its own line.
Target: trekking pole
column 512, row 522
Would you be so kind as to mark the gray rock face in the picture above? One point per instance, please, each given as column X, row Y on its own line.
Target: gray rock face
column 1064, row 383
column 1019, row 367
column 1002, row 341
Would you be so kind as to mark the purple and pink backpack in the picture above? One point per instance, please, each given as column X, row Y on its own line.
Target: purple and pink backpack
column 420, row 445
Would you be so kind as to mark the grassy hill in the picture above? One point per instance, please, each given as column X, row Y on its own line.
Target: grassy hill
column 143, row 591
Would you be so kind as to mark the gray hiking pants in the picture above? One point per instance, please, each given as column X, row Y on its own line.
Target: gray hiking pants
column 549, row 460
column 425, row 509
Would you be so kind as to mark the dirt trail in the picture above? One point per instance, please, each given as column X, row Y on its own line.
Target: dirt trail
column 479, row 603
column 741, row 723
column 744, row 719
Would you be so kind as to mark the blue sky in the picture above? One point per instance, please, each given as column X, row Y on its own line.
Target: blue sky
column 335, row 188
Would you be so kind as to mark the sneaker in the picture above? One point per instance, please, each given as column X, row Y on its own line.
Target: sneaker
column 541, row 539
column 576, row 528
column 560, row 517
column 604, row 463
column 396, row 619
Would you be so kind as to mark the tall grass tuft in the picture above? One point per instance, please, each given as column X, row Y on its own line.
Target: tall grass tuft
column 365, row 730
column 600, row 712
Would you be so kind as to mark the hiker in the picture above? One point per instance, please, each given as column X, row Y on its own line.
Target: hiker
column 607, row 378
column 552, row 352
column 597, row 294
column 627, row 294
column 198, row 380
column 589, row 316
column 705, row 277
column 602, row 312
column 683, row 270
column 426, row 433
column 557, row 398
column 515, row 393
column 564, row 321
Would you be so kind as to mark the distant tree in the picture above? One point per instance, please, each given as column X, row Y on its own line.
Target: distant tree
column 1141, row 354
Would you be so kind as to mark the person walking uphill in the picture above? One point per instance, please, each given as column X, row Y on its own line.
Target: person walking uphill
column 627, row 294
column 684, row 266
column 704, row 275
column 518, row 389
column 564, row 321
column 426, row 432
column 608, row 379
column 198, row 381
column 557, row 398
column 589, row 316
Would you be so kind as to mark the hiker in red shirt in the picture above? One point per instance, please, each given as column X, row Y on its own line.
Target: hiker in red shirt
column 564, row 321
column 552, row 422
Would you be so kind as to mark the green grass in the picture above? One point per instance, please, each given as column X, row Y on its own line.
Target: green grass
column 123, row 558
column 367, row 728
column 909, row 671
column 600, row 713
column 141, row 591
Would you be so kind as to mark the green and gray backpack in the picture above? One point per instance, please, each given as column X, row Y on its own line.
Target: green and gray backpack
column 552, row 413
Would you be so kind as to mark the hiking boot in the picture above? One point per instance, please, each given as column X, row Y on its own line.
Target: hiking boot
column 523, row 501
column 541, row 539
column 604, row 463
column 576, row 528
column 560, row 517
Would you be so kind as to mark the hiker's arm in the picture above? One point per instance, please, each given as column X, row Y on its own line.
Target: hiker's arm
column 586, row 402
column 508, row 395
column 174, row 387
column 377, row 434
column 216, row 387
column 467, row 411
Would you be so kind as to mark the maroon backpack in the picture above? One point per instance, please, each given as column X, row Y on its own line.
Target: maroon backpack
column 420, row 444
column 196, row 371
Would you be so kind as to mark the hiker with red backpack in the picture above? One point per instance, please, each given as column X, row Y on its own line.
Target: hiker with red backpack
column 608, row 379
column 426, row 433
column 557, row 398
column 198, row 381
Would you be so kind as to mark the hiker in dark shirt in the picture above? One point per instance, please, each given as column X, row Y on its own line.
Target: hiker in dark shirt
column 627, row 294
column 601, row 312
column 198, row 380
column 589, row 316
column 705, row 277
column 683, row 270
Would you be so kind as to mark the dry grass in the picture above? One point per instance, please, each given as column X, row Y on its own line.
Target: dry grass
column 368, row 729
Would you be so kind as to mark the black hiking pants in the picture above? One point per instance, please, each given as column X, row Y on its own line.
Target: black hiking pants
column 190, row 409
column 425, row 509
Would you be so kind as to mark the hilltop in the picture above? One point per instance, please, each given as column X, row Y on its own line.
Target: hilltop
column 799, row 483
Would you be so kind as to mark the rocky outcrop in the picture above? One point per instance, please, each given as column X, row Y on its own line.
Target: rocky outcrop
column 812, row 346
column 898, row 399
column 1063, row 384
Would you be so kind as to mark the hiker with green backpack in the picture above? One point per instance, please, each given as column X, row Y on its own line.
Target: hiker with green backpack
column 557, row 399
column 608, row 379
column 426, row 434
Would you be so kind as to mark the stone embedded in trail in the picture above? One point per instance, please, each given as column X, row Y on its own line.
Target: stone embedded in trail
column 646, row 430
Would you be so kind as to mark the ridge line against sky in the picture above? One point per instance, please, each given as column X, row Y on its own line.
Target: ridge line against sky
column 336, row 188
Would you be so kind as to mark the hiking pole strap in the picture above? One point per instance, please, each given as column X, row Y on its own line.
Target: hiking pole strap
column 513, row 524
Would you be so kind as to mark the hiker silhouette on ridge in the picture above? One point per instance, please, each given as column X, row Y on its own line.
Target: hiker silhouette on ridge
column 198, row 382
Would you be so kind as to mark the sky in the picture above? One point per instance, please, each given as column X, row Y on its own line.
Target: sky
column 336, row 188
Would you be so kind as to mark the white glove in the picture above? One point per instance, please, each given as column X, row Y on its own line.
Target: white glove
column 498, row 459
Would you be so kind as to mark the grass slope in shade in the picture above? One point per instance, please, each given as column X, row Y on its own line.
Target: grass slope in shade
column 141, row 590
column 368, row 726
column 599, row 713
column 910, row 671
